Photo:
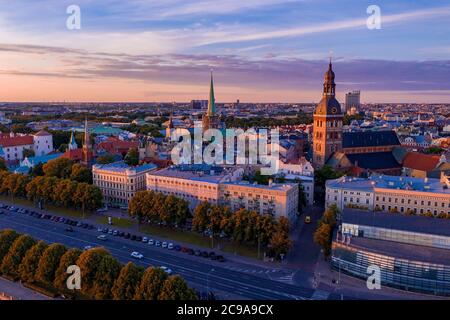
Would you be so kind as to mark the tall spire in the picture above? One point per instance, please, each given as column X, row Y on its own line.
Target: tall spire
column 329, row 86
column 212, row 100
column 86, row 134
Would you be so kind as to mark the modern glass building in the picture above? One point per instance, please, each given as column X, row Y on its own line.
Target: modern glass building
column 413, row 253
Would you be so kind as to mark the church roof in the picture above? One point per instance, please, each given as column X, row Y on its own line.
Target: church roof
column 369, row 139
column 42, row 133
column 421, row 161
column 374, row 160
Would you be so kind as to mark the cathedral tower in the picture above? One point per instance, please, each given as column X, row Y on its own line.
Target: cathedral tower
column 327, row 133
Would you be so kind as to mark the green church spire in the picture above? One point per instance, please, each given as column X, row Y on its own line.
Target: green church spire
column 212, row 100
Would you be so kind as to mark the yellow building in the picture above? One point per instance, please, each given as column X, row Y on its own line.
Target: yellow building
column 119, row 182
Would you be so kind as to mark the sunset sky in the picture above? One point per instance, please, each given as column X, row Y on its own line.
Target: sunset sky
column 260, row 50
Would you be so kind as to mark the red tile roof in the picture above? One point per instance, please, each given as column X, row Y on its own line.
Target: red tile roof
column 420, row 161
column 42, row 133
column 75, row 155
column 116, row 146
column 7, row 141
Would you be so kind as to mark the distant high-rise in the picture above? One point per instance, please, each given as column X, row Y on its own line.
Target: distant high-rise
column 353, row 100
column 199, row 104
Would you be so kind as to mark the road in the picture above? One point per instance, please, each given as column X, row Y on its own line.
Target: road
column 199, row 272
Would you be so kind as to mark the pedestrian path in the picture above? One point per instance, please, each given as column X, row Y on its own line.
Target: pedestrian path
column 320, row 295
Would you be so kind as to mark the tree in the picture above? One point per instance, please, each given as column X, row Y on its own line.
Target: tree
column 69, row 258
column 7, row 238
column 321, row 176
column 105, row 159
column 90, row 262
column 322, row 236
column 175, row 288
column 65, row 191
column 132, row 157
column 15, row 185
column 107, row 272
column 200, row 220
column 11, row 262
column 60, row 168
column 151, row 284
column 128, row 281
column 81, row 174
column 21, row 128
column 434, row 150
column 28, row 153
column 3, row 166
column 49, row 262
column 30, row 262
column 88, row 197
column 37, row 170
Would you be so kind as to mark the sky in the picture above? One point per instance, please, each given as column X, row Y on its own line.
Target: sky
column 259, row 50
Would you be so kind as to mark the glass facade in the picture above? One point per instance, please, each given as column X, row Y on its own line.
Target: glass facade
column 408, row 237
column 399, row 273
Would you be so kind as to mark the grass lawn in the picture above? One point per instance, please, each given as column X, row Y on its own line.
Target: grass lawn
column 118, row 222
column 199, row 240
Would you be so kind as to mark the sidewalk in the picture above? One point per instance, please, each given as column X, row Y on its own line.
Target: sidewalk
column 19, row 292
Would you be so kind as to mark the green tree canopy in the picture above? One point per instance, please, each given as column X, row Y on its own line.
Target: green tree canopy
column 128, row 281
column 30, row 262
column 151, row 284
column 7, row 238
column 60, row 168
column 11, row 262
column 81, row 174
column 175, row 288
column 49, row 262
column 132, row 157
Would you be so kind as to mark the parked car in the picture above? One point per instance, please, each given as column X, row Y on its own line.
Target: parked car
column 127, row 236
column 220, row 259
column 79, row 224
column 190, row 252
column 115, row 233
column 69, row 229
column 164, row 244
column 144, row 239
column 198, row 253
column 102, row 237
column 133, row 237
column 137, row 255
column 105, row 230
column 110, row 231
column 157, row 243
column 121, row 234
column 170, row 246
column 177, row 247
column 151, row 242
column 184, row 249
column 86, row 248
column 139, row 238
column 205, row 254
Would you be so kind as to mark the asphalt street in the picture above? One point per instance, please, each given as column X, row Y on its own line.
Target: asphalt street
column 203, row 274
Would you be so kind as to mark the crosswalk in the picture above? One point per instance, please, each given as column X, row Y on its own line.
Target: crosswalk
column 320, row 295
